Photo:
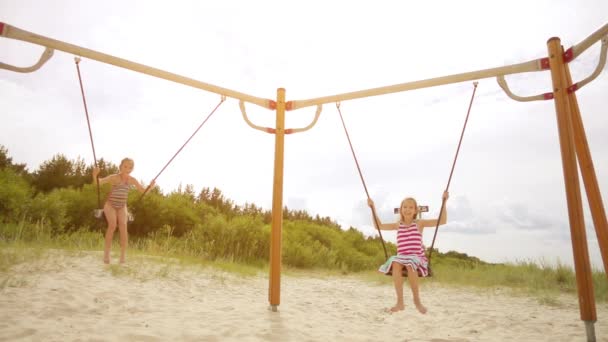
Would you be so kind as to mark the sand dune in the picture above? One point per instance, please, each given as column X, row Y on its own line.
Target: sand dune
column 74, row 297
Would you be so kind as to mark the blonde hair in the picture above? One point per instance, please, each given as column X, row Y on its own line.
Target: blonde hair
column 126, row 160
column 401, row 217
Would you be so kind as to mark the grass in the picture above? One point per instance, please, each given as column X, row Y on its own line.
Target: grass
column 142, row 270
column 543, row 281
column 11, row 282
column 22, row 244
column 15, row 255
column 18, row 253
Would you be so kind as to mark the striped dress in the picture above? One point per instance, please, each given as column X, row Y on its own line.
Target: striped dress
column 119, row 194
column 410, row 250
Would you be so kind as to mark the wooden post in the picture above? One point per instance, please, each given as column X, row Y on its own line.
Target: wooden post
column 585, row 162
column 573, row 196
column 274, row 290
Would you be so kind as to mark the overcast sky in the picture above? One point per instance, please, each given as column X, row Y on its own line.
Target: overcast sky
column 507, row 195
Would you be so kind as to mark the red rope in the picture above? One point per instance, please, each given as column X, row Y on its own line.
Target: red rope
column 184, row 145
column 446, row 188
column 452, row 170
column 86, row 112
column 362, row 180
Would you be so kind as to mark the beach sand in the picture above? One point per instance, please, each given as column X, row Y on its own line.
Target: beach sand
column 73, row 296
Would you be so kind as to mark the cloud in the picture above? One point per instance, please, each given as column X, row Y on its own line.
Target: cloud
column 507, row 183
column 519, row 216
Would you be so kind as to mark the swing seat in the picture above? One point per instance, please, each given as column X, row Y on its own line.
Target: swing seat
column 98, row 213
column 404, row 272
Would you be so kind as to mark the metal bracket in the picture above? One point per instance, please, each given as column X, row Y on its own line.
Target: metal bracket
column 273, row 130
column 598, row 70
column 503, row 84
column 574, row 87
column 46, row 55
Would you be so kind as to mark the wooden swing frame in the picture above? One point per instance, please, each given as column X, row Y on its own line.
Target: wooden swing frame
column 575, row 152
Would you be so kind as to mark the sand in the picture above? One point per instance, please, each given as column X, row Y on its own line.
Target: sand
column 75, row 297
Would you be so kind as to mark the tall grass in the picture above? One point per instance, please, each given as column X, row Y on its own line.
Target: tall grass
column 540, row 279
column 227, row 251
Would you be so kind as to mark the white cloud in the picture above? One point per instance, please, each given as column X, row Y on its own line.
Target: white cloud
column 507, row 183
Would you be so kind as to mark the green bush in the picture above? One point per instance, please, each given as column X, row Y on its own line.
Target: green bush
column 179, row 212
column 23, row 231
column 49, row 209
column 148, row 213
column 15, row 195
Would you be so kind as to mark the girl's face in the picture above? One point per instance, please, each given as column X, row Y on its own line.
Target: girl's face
column 408, row 209
column 126, row 167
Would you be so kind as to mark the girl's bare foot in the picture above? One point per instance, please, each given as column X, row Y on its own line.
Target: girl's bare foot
column 122, row 260
column 421, row 308
column 396, row 308
column 106, row 260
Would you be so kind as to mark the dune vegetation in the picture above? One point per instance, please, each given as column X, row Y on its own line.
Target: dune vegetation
column 51, row 208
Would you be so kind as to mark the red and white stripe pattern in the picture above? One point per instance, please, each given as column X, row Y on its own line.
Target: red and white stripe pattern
column 409, row 240
column 410, row 251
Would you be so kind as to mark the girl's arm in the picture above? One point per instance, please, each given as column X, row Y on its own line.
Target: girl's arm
column 444, row 215
column 377, row 223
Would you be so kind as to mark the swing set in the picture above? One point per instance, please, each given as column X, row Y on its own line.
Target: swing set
column 98, row 213
column 575, row 152
column 375, row 215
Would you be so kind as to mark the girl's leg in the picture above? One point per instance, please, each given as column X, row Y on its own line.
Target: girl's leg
column 398, row 281
column 122, row 228
column 110, row 213
column 413, row 278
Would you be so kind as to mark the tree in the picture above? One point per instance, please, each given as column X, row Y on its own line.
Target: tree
column 204, row 196
column 105, row 168
column 60, row 172
column 216, row 199
column 54, row 173
column 188, row 192
column 6, row 162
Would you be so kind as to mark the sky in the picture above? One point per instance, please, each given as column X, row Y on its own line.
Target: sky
column 507, row 196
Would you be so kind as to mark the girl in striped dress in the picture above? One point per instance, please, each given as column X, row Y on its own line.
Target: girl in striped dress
column 410, row 256
column 115, row 208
